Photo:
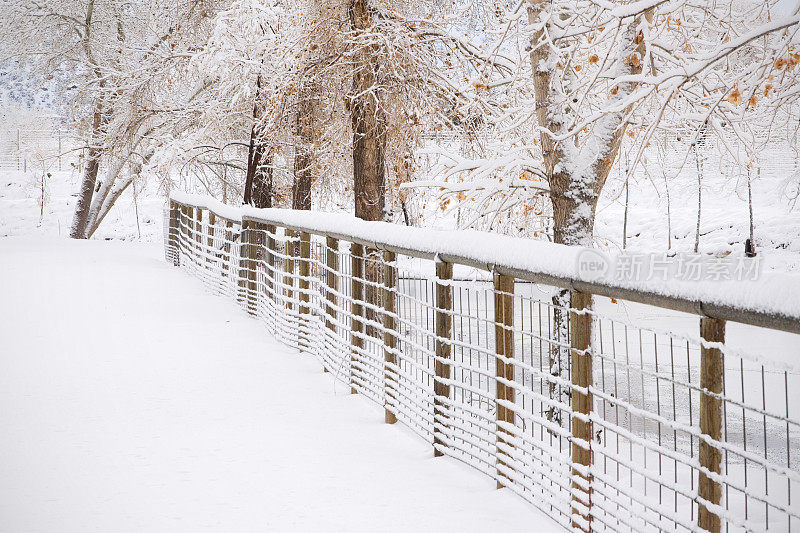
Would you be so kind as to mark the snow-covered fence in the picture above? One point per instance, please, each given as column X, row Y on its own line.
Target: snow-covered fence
column 640, row 427
column 36, row 149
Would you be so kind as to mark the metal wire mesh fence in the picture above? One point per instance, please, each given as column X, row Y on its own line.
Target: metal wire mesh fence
column 39, row 149
column 612, row 426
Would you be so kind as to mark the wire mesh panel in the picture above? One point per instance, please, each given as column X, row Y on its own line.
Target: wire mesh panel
column 606, row 415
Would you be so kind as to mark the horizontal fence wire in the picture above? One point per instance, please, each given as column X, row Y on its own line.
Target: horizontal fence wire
column 633, row 431
column 40, row 150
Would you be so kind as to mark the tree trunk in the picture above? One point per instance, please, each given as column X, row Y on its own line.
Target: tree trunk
column 80, row 220
column 258, row 178
column 304, row 150
column 301, row 189
column 113, row 196
column 750, row 244
column 101, row 194
column 699, row 162
column 368, row 121
column 573, row 196
column 261, row 190
column 572, row 225
column 369, row 146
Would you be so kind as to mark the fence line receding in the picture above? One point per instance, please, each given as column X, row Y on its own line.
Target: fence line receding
column 598, row 421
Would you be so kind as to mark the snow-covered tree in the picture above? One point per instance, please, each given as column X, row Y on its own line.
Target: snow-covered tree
column 593, row 77
column 126, row 62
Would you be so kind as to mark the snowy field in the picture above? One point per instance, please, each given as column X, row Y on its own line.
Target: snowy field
column 121, row 415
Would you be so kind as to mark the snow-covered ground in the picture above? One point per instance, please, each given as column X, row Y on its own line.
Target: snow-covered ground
column 133, row 217
column 663, row 195
column 120, row 414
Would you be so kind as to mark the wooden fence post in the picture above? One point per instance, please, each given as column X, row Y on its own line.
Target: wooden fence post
column 173, row 235
column 247, row 266
column 181, row 224
column 504, row 348
column 357, row 309
column 241, row 282
column 581, row 363
column 227, row 245
column 198, row 231
column 190, row 233
column 303, row 283
column 712, row 368
column 189, row 216
column 304, row 271
column 201, row 247
column 288, row 266
column 269, row 259
column 255, row 242
column 212, row 220
column 389, row 332
column 246, row 270
column 332, row 284
column 181, row 215
column 444, row 326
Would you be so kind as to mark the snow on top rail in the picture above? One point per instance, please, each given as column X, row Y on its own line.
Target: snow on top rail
column 772, row 300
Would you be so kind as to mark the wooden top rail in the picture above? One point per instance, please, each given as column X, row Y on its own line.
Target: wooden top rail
column 772, row 301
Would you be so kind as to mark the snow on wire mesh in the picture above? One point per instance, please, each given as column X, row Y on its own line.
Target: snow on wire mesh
column 371, row 318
